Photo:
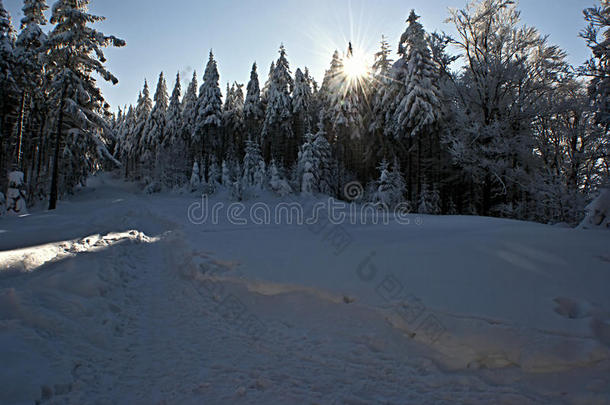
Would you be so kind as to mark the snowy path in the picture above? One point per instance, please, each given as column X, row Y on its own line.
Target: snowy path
column 162, row 316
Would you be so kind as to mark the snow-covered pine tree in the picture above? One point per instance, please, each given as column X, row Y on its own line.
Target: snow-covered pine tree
column 598, row 212
column 398, row 182
column 266, row 86
column 597, row 35
column 277, row 183
column 341, row 97
column 384, row 194
column 174, row 159
column 277, row 134
column 418, row 108
column 429, row 200
column 308, row 167
column 326, row 170
column 208, row 129
column 29, row 70
column 253, row 175
column 129, row 142
column 214, row 174
column 155, row 134
column 73, row 54
column 377, row 146
column 9, row 92
column 301, row 101
column 143, row 109
column 253, row 107
column 233, row 121
column 225, row 174
column 189, row 119
column 195, row 181
column 330, row 90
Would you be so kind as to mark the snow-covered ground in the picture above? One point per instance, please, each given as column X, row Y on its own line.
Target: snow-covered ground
column 120, row 297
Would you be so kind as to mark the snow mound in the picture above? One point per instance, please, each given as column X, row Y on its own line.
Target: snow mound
column 598, row 212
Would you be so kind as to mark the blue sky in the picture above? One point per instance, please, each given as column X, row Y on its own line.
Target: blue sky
column 177, row 36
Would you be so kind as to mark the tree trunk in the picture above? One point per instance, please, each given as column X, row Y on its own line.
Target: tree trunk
column 20, row 129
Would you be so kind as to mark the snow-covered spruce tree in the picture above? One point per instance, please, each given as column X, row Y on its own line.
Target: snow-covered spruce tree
column 301, row 100
column 226, row 178
column 277, row 183
column 189, row 120
column 142, row 114
column 330, row 89
column 266, row 86
column 342, row 98
column 398, row 182
column 173, row 160
column 277, row 134
column 377, row 145
column 195, row 181
column 418, row 107
column 154, row 135
column 214, row 174
column 326, row 169
column 233, row 121
column 73, row 54
column 597, row 35
column 253, row 107
column 208, row 129
column 29, row 69
column 390, row 187
column 253, row 175
column 384, row 193
column 9, row 92
column 308, row 167
column 598, row 212
column 429, row 200
column 129, row 141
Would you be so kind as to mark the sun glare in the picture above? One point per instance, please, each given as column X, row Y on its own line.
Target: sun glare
column 355, row 66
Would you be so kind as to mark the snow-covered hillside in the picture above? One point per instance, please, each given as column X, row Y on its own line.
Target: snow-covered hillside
column 120, row 297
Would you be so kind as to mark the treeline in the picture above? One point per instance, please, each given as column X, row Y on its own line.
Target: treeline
column 514, row 131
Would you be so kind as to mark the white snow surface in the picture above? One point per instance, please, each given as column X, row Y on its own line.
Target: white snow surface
column 117, row 298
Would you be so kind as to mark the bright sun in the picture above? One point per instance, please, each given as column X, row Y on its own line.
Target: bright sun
column 355, row 68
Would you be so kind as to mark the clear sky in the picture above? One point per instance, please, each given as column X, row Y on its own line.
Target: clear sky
column 174, row 36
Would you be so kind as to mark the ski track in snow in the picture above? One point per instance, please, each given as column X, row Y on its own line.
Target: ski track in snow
column 154, row 328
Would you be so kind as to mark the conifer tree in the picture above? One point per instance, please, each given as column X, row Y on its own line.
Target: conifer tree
column 253, row 175
column 301, row 103
column 154, row 133
column 253, row 107
column 8, row 89
column 175, row 146
column 208, row 130
column 74, row 52
column 189, row 119
column 29, row 69
column 277, row 134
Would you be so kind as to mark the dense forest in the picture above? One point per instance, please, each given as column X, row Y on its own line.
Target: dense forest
column 490, row 121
